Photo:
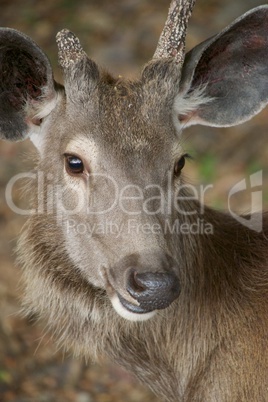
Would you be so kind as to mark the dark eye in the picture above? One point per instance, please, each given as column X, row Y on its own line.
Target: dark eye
column 74, row 165
column 179, row 165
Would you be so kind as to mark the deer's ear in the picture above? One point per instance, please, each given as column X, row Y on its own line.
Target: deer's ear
column 231, row 70
column 27, row 90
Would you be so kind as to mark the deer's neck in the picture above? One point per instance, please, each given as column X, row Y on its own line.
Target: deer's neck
column 227, row 259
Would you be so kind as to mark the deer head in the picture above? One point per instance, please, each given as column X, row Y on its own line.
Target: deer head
column 111, row 154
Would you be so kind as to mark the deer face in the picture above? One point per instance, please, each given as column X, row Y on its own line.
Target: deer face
column 111, row 181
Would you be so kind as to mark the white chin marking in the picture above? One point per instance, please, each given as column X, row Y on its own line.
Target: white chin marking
column 128, row 315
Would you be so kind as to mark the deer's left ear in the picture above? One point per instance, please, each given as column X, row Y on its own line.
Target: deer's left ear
column 230, row 69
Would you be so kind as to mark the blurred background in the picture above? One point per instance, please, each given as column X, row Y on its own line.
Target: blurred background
column 120, row 35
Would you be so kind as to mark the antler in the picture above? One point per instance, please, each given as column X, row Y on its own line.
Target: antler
column 70, row 50
column 172, row 40
column 80, row 71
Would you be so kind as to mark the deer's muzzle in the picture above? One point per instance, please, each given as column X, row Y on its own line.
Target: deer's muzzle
column 140, row 288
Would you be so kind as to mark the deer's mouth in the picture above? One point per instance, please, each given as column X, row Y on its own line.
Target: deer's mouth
column 129, row 311
column 126, row 306
column 133, row 308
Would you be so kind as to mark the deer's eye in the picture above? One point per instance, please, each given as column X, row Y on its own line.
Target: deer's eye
column 179, row 165
column 74, row 165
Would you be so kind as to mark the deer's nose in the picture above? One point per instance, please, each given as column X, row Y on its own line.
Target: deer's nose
column 152, row 290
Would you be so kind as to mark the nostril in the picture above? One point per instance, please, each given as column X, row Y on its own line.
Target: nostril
column 153, row 290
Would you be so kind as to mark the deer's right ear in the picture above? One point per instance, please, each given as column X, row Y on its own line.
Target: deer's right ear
column 27, row 92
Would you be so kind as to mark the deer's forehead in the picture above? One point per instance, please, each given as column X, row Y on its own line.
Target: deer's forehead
column 126, row 133
column 119, row 119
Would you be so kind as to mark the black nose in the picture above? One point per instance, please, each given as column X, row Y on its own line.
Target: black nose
column 153, row 290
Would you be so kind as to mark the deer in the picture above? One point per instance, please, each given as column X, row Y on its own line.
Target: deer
column 185, row 312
